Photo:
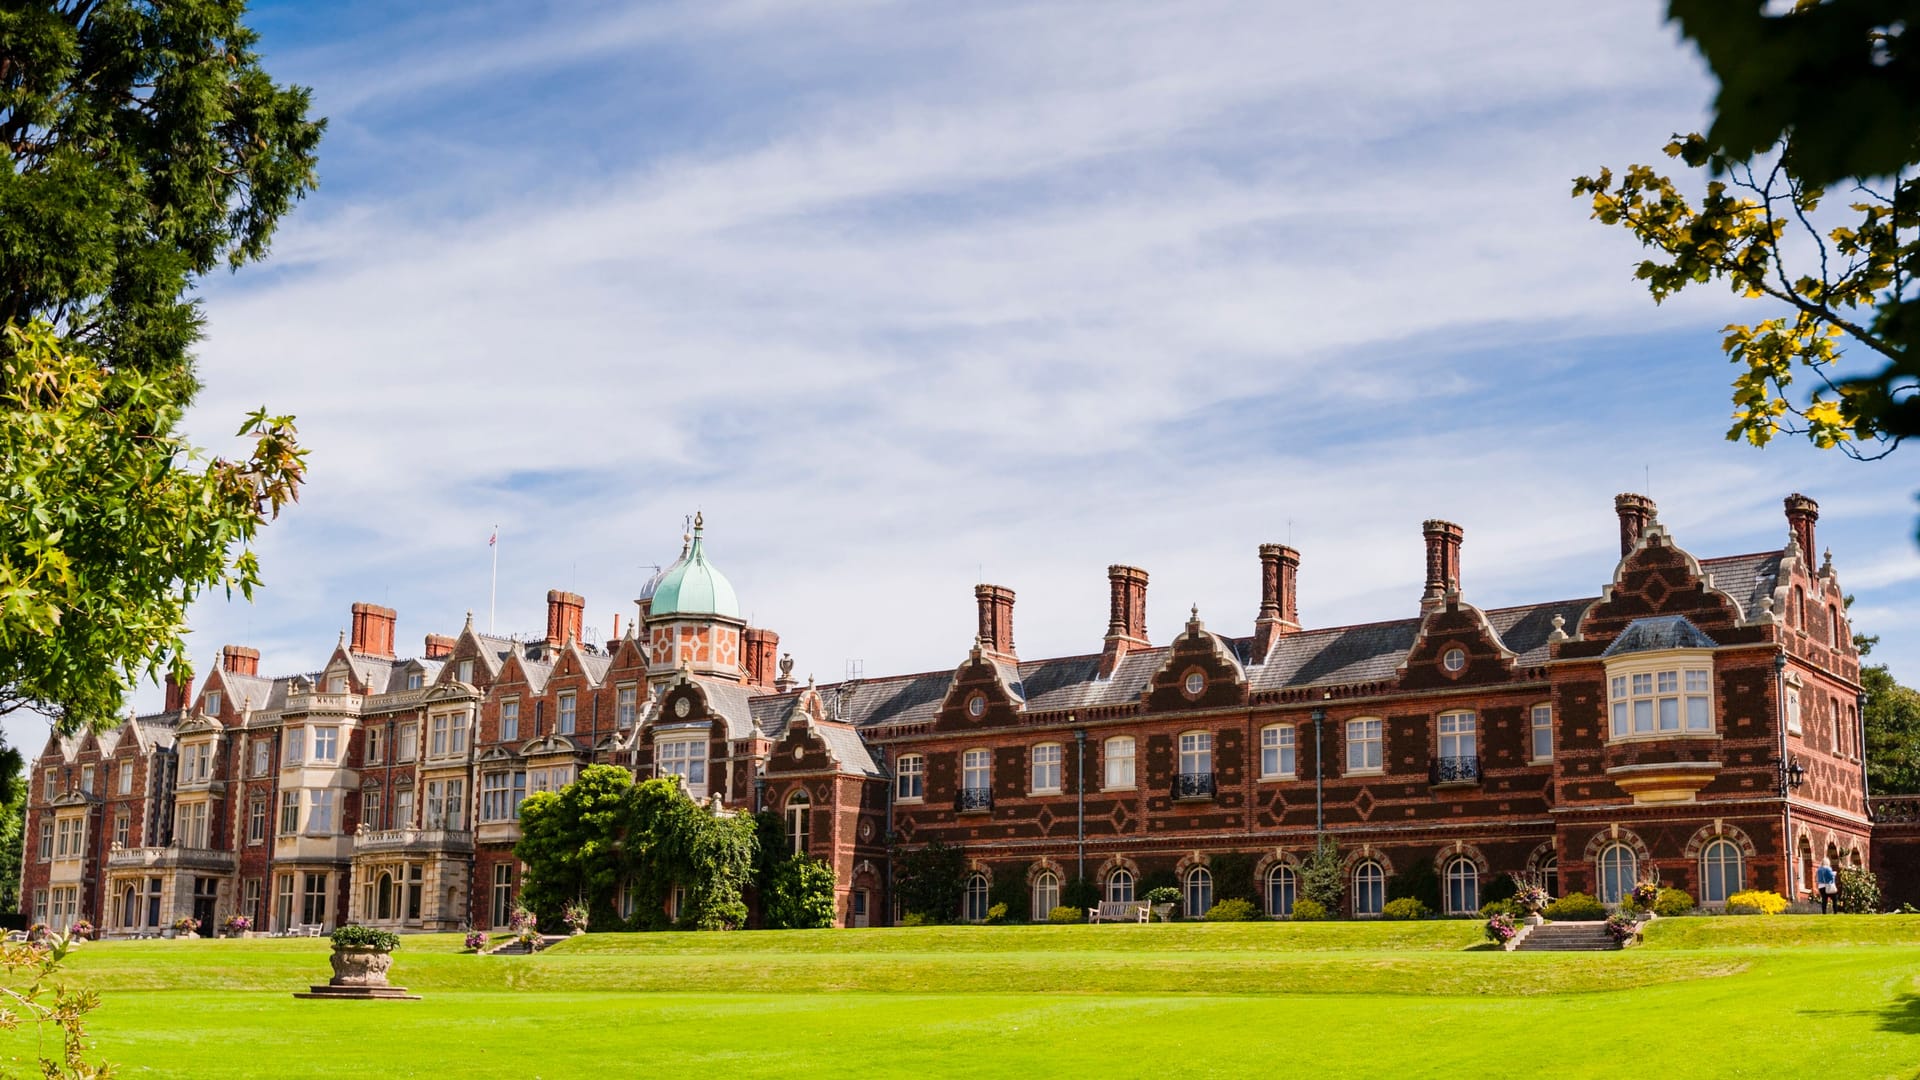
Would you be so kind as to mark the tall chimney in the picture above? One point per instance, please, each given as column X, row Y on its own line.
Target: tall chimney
column 1443, row 561
column 996, row 619
column 240, row 660
column 438, row 646
column 760, row 652
column 373, row 630
column 1126, row 615
column 565, row 612
column 1802, row 512
column 179, row 692
column 1636, row 513
column 1279, row 603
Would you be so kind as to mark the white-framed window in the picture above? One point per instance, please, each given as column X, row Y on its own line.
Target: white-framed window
column 1046, row 894
column 407, row 743
column 50, row 788
column 510, row 720
column 684, row 758
column 290, row 812
column 464, row 671
column 262, row 756
column 503, row 895
column 1662, row 701
column 1462, row 881
column 1364, row 746
column 212, row 703
column 1196, row 753
column 1455, row 660
column 1721, row 871
column 626, row 705
column 799, row 819
column 1276, row 752
column 313, row 900
column 1118, row 754
column 371, row 805
column 321, row 806
column 70, row 838
column 403, row 809
column 122, row 828
column 437, row 741
column 501, row 794
column 1369, row 888
column 414, row 679
column 326, row 743
column 190, row 825
column 976, row 770
column 336, row 682
column 1283, row 888
column 446, row 804
column 125, row 784
column 40, row 905
column 86, row 778
column 376, row 744
column 257, row 819
column 1793, row 713
column 1198, row 894
column 1195, row 684
column 1618, row 869
column 910, row 777
column 1046, row 759
column 568, row 711
column 1457, row 736
column 283, row 900
column 46, row 841
column 1541, row 729
column 196, row 763
column 1120, row 886
column 975, row 906
column 295, row 750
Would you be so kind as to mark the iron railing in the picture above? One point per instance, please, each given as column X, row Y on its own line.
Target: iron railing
column 973, row 798
column 1193, row 785
column 1456, row 770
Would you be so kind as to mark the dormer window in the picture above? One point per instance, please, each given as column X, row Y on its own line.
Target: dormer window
column 336, row 682
column 414, row 679
column 464, row 672
column 213, row 701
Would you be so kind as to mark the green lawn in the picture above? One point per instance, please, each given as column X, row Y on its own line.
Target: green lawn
column 1702, row 998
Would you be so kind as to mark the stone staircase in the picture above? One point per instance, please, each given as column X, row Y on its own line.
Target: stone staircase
column 1569, row 937
column 520, row 948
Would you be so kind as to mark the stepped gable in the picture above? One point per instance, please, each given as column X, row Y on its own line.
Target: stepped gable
column 985, row 691
column 1659, row 578
column 692, row 698
column 1451, row 625
column 1221, row 682
column 811, row 743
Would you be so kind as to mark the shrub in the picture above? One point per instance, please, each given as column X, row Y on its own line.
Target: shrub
column 798, row 894
column 1406, row 907
column 914, row 918
column 1079, row 893
column 1010, row 890
column 1419, row 882
column 1622, row 927
column 354, row 936
column 1165, row 894
column 1756, row 902
column 1307, row 909
column 1508, row 908
column 1232, row 911
column 1859, row 891
column 1065, row 914
column 1575, row 907
column 997, row 915
column 1233, row 876
column 931, row 880
column 1501, row 928
column 1322, row 877
column 1673, row 902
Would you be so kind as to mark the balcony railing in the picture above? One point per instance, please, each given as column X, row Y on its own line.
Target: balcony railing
column 972, row 799
column 1894, row 809
column 1456, row 770
column 1193, row 785
column 154, row 858
column 368, row 840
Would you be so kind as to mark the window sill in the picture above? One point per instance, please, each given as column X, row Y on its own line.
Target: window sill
column 1539, row 761
column 1365, row 772
column 1120, row 787
column 909, row 800
column 1039, row 792
column 1661, row 736
column 1279, row 778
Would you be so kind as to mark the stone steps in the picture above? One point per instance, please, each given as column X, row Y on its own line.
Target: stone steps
column 517, row 948
column 1569, row 937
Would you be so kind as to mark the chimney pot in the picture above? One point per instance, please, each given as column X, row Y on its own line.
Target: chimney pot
column 1279, row 602
column 1443, row 561
column 996, row 619
column 179, row 692
column 760, row 653
column 240, row 660
column 1636, row 513
column 438, row 646
column 1802, row 512
column 1126, row 615
column 565, row 613
column 372, row 630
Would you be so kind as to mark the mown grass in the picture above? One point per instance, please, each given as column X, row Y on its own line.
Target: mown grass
column 1703, row 997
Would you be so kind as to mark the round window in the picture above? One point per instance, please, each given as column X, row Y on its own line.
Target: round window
column 977, row 705
column 1196, row 682
column 1455, row 659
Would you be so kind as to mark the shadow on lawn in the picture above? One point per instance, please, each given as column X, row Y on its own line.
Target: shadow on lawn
column 1901, row 1017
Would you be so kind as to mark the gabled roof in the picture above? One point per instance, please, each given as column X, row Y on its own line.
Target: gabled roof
column 1659, row 632
column 848, row 748
column 1746, row 578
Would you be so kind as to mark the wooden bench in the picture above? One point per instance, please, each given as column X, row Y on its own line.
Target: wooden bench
column 1117, row 911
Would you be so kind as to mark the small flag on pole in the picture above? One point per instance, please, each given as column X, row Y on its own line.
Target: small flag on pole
column 491, row 537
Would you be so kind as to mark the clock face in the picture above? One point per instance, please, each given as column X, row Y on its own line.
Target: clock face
column 682, row 707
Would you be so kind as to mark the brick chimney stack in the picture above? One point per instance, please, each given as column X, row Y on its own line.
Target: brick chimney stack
column 1636, row 513
column 1443, row 561
column 760, row 652
column 996, row 620
column 1802, row 512
column 565, row 614
column 373, row 630
column 1279, row 600
column 1126, row 615
column 179, row 693
column 240, row 660
column 438, row 646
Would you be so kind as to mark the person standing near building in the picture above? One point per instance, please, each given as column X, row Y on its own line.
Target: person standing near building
column 1828, row 885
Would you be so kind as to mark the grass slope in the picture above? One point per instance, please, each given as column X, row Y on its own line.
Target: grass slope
column 1702, row 998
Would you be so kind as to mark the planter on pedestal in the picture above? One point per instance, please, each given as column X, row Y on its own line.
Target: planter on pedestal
column 361, row 958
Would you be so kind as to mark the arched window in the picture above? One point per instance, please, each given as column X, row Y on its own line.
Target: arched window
column 1120, row 887
column 1046, row 894
column 1369, row 888
column 1282, row 886
column 1548, row 870
column 910, row 777
column 383, row 895
column 1618, row 868
column 1463, row 886
column 129, row 908
column 1833, row 626
column 1720, row 872
column 976, row 907
column 1199, row 895
column 799, row 810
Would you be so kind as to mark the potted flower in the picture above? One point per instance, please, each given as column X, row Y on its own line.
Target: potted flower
column 186, row 926
column 1622, row 928
column 80, row 930
column 362, row 955
column 575, row 916
column 476, row 941
column 1644, row 895
column 37, row 932
column 524, row 927
column 237, row 926
column 1531, row 898
column 1500, row 929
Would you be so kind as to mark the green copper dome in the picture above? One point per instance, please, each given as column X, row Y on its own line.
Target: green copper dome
column 693, row 586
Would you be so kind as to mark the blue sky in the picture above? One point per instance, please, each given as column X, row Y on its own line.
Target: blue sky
column 905, row 295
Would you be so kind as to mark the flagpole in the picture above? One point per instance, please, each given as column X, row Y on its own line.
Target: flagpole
column 493, row 588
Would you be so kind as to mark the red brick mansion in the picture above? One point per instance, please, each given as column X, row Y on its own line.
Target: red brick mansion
column 1698, row 719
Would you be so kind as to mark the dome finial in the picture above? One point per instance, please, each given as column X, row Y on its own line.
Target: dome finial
column 699, row 522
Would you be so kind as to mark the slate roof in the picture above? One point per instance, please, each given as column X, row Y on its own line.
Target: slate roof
column 1659, row 632
column 848, row 748
column 1746, row 578
column 733, row 702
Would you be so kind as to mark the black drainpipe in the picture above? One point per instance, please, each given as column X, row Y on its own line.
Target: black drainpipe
column 1319, row 798
column 1080, row 782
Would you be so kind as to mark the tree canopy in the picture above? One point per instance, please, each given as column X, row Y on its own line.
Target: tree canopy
column 145, row 147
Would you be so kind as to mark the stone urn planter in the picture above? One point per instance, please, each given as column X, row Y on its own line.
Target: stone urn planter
column 360, row 965
column 361, row 958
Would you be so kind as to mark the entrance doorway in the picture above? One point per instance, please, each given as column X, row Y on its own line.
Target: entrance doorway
column 860, row 907
column 206, row 893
